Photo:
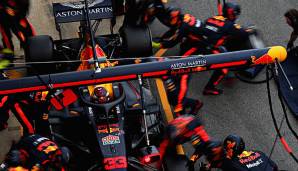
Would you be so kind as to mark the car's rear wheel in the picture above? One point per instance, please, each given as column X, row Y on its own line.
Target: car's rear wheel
column 40, row 49
column 253, row 41
column 136, row 41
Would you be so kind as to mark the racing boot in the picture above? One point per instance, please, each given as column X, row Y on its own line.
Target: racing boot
column 215, row 79
column 194, row 105
column 195, row 109
column 178, row 110
column 212, row 91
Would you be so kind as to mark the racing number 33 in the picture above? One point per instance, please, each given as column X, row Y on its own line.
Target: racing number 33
column 115, row 163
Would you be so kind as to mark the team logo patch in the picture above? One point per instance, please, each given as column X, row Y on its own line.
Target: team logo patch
column 110, row 139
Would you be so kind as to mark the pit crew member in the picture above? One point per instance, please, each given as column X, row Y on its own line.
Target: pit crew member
column 13, row 19
column 236, row 158
column 36, row 153
column 187, row 128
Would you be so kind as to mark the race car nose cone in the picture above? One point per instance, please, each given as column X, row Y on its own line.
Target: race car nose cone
column 278, row 52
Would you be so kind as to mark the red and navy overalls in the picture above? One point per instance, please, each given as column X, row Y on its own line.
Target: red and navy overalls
column 13, row 19
column 35, row 152
column 187, row 128
column 188, row 33
column 217, row 30
column 31, row 110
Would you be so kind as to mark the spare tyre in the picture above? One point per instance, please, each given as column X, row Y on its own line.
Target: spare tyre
column 39, row 49
column 136, row 40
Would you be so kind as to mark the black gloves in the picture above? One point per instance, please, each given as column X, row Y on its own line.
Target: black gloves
column 15, row 158
column 191, row 165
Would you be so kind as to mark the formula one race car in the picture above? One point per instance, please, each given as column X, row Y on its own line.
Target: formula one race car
column 109, row 126
column 121, row 133
column 106, row 136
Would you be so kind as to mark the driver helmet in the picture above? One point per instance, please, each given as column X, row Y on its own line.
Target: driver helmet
column 151, row 9
column 101, row 95
column 173, row 17
column 231, row 11
column 233, row 146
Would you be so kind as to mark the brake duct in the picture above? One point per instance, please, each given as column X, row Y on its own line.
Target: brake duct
column 195, row 63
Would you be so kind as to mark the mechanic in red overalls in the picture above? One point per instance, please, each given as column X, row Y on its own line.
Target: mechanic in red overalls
column 208, row 37
column 36, row 153
column 13, row 19
column 182, row 26
column 217, row 30
column 30, row 109
column 188, row 128
column 236, row 158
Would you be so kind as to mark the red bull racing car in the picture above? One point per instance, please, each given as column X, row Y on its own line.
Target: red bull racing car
column 108, row 121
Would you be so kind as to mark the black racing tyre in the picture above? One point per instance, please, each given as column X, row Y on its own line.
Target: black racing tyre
column 40, row 49
column 136, row 41
column 176, row 162
column 118, row 7
column 253, row 41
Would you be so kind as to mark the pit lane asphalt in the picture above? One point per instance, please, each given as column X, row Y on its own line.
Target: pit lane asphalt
column 243, row 108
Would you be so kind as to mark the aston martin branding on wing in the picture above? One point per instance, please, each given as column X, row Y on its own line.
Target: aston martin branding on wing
column 74, row 11
column 193, row 63
column 80, row 5
column 99, row 10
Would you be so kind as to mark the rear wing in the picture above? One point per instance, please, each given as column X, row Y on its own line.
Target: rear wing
column 74, row 11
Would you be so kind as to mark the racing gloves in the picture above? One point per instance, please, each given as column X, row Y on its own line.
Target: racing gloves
column 6, row 55
column 156, row 45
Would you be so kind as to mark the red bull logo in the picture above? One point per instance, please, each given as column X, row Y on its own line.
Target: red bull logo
column 252, row 157
column 265, row 59
column 274, row 53
column 47, row 147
